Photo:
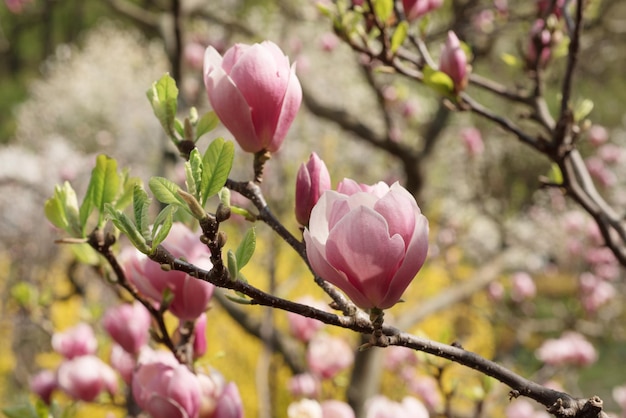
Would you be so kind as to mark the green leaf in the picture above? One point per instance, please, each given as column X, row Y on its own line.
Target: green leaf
column 127, row 227
column 162, row 225
column 399, row 35
column 62, row 210
column 231, row 263
column 555, row 175
column 582, row 109
column 239, row 300
column 163, row 96
column 103, row 188
column 217, row 163
column 511, row 60
column 207, row 123
column 438, row 81
column 21, row 411
column 166, row 191
column 383, row 9
column 128, row 188
column 246, row 248
column 193, row 170
column 141, row 208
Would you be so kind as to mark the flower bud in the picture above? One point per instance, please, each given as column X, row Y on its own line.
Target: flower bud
column 370, row 241
column 85, row 377
column 254, row 92
column 302, row 327
column 313, row 179
column 43, row 384
column 74, row 342
column 199, row 337
column 414, row 9
column 453, row 62
column 128, row 325
column 570, row 348
column 327, row 356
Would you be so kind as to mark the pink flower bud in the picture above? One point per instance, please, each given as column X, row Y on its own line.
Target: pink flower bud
column 523, row 287
column 166, row 390
column 229, row 404
column 255, row 93
column 414, row 9
column 539, row 43
column 336, row 409
column 85, row 377
column 453, row 62
column 313, row 179
column 473, row 141
column 327, row 356
column 370, row 244
column 191, row 295
column 122, row 362
column 302, row 327
column 571, row 348
column 329, row 42
column 43, row 384
column 598, row 135
column 199, row 337
column 128, row 325
column 74, row 342
column 304, row 385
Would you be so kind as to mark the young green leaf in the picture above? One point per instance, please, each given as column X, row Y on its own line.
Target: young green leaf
column 246, row 248
column 141, row 206
column 239, row 300
column 62, row 210
column 127, row 227
column 163, row 96
column 231, row 263
column 217, row 163
column 207, row 123
column 438, row 81
column 125, row 198
column 166, row 191
column 20, row 411
column 194, row 173
column 399, row 35
column 162, row 225
column 103, row 188
column 383, row 9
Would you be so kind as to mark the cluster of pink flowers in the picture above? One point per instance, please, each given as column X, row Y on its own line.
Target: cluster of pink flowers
column 571, row 348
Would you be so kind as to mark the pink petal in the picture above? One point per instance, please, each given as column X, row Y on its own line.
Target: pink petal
column 289, row 110
column 395, row 207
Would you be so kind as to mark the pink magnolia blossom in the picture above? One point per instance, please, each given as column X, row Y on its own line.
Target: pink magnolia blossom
column 304, row 385
column 619, row 395
column 398, row 357
column 327, row 356
column 382, row 407
column 199, row 336
column 122, row 362
column 426, row 388
column 254, row 92
column 85, row 377
column 473, row 141
column 329, row 42
column 16, row 6
column 302, row 327
column 370, row 241
column 570, row 348
column 453, row 62
column 597, row 135
column 191, row 295
column 336, row 409
column 229, row 404
column 76, row 341
column 539, row 44
column 166, row 390
column 43, row 384
column 128, row 325
column 523, row 287
column 414, row 9
column 312, row 180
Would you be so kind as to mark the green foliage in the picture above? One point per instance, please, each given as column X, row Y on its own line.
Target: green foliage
column 205, row 124
column 582, row 109
column 128, row 228
column 166, row 191
column 438, row 81
column 162, row 225
column 62, row 210
column 103, row 189
column 37, row 410
column 216, row 165
column 399, row 35
column 383, row 9
column 163, row 96
column 246, row 248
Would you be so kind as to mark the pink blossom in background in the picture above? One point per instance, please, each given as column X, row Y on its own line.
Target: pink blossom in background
column 495, row 291
column 199, row 336
column 483, row 21
column 336, row 409
column 523, row 408
column 595, row 292
column 597, row 135
column 191, row 295
column 540, row 39
column 329, row 42
column 304, row 328
column 427, row 389
column 453, row 62
column 414, row 9
column 570, row 349
column 255, row 93
column 304, row 385
column 312, row 180
column 327, row 356
column 229, row 404
column 122, row 362
column 85, row 377
column 16, row 6
column 305, row 408
column 599, row 171
column 128, row 325
column 611, row 154
column 398, row 357
column 211, row 387
column 166, row 391
column 473, row 141
column 193, row 54
column 410, row 108
column 370, row 244
column 382, row 407
column 619, row 395
column 523, row 287
column 43, row 384
column 79, row 340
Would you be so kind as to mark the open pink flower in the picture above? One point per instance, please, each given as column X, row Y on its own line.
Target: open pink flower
column 76, row 341
column 327, row 356
column 254, row 92
column 370, row 244
column 570, row 348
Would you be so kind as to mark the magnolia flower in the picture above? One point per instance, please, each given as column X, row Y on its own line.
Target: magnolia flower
column 370, row 241
column 301, row 327
column 414, row 9
column 76, row 341
column 128, row 325
column 453, row 62
column 85, row 377
column 43, row 384
column 570, row 348
column 254, row 92
column 313, row 179
column 327, row 356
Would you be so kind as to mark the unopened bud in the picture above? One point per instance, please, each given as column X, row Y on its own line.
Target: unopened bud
column 453, row 62
column 313, row 179
column 222, row 213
